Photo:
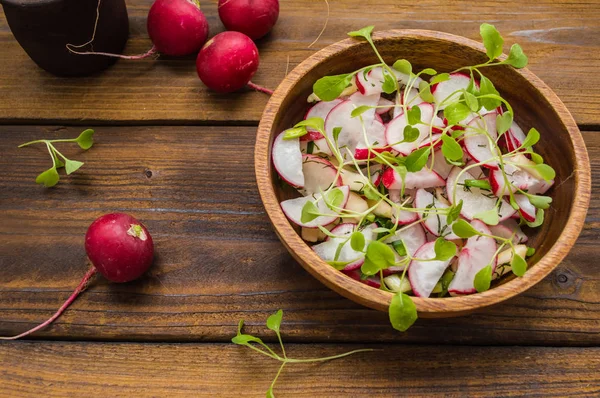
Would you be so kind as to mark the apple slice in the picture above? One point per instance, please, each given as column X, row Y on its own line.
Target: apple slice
column 423, row 178
column 352, row 127
column 394, row 132
column 287, row 159
column 473, row 257
column 319, row 174
column 508, row 228
column 413, row 238
column 526, row 209
column 475, row 200
column 293, row 209
column 328, row 249
column 424, row 275
column 435, row 224
column 376, row 140
column 443, row 90
column 478, row 144
column 320, row 109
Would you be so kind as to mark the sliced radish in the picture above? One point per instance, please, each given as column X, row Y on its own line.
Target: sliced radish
column 473, row 257
column 321, row 147
column 384, row 102
column 370, row 281
column 424, row 275
column 440, row 165
column 320, row 109
column 376, row 140
column 328, row 249
column 352, row 128
column 413, row 238
column 319, row 174
column 435, row 224
column 404, row 216
column 478, row 144
column 287, row 159
column 518, row 179
column 526, row 209
column 475, row 200
column 443, row 90
column 394, row 132
column 293, row 209
column 423, row 178
column 509, row 228
column 357, row 182
column 435, row 138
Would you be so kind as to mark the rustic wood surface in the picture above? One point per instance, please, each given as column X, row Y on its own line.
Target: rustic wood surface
column 218, row 259
column 562, row 40
column 210, row 370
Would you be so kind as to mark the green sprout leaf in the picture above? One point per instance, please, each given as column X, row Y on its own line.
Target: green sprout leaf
column 456, row 112
column 335, row 197
column 85, row 139
column 539, row 201
column 370, row 192
column 274, row 321
column 429, row 71
column 451, row 149
column 463, row 229
column 530, row 251
column 413, row 115
column 532, row 138
column 516, row 57
column 539, row 219
column 544, row 171
column 399, row 247
column 442, row 77
column 357, row 241
column 309, row 212
column 48, row 178
column 518, row 264
column 72, row 165
column 403, row 66
column 336, row 133
column 490, row 217
column 444, row 249
column 481, row 184
column 364, row 33
column 410, row 133
column 379, row 256
column 492, row 40
column 389, row 84
column 329, row 88
column 536, row 158
column 417, row 160
column 402, row 312
column 359, row 110
column 486, row 87
column 295, row 132
column 425, row 92
column 57, row 162
column 503, row 122
column 483, row 279
column 314, row 122
column 471, row 101
column 454, row 213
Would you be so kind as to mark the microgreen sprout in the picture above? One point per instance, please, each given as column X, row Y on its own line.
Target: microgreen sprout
column 256, row 344
column 50, row 177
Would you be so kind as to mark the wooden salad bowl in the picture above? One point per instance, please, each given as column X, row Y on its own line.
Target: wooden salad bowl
column 534, row 104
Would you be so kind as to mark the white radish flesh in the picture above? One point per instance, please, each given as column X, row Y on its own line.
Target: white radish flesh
column 287, row 159
column 293, row 209
column 507, row 229
column 526, row 209
column 319, row 175
column 436, row 224
column 412, row 237
column 327, row 250
column 477, row 142
column 394, row 133
column 424, row 275
column 445, row 93
column 423, row 178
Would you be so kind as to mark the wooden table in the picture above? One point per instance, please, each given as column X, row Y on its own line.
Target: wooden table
column 179, row 158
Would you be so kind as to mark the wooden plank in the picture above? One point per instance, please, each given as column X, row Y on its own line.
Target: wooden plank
column 208, row 370
column 562, row 40
column 218, row 259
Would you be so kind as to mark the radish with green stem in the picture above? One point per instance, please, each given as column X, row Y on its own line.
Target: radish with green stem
column 119, row 247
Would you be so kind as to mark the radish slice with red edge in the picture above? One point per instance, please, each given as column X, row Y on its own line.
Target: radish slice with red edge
column 443, row 90
column 507, row 229
column 526, row 209
column 424, row 275
column 321, row 110
column 287, row 159
column 478, row 252
column 477, row 143
column 435, row 224
column 319, row 175
column 423, row 178
column 328, row 249
column 412, row 237
column 293, row 209
column 394, row 133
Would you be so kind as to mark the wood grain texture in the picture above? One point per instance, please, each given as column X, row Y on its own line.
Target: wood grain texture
column 218, row 259
column 534, row 104
column 562, row 40
column 216, row 370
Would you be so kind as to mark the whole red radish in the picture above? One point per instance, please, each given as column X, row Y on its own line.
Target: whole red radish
column 177, row 27
column 254, row 18
column 227, row 62
column 119, row 247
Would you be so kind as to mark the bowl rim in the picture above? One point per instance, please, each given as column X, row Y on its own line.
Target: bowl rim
column 379, row 299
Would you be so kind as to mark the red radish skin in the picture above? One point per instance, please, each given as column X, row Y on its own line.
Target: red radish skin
column 227, row 62
column 254, row 18
column 119, row 247
column 177, row 27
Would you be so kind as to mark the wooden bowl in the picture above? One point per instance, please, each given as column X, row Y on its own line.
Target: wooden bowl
column 535, row 105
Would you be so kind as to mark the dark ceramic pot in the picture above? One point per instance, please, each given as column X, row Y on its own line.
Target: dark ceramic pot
column 44, row 27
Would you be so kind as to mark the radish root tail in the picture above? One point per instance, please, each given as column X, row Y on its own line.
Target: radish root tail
column 260, row 88
column 82, row 286
column 147, row 54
